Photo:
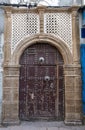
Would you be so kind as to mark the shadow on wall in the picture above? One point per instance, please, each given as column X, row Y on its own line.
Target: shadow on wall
column 65, row 2
column 5, row 1
column 69, row 2
column 46, row 2
column 1, row 21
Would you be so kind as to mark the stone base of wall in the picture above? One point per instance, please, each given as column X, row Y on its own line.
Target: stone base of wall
column 73, row 122
column 11, row 122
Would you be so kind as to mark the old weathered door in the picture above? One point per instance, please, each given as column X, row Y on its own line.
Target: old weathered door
column 41, row 90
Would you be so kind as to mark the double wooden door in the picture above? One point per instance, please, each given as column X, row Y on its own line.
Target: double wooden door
column 41, row 85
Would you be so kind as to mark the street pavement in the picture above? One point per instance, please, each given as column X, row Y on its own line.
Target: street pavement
column 42, row 126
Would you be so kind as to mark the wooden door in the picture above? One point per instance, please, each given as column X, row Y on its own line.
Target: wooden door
column 41, row 90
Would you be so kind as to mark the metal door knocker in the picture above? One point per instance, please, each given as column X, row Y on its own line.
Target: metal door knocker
column 47, row 78
column 41, row 60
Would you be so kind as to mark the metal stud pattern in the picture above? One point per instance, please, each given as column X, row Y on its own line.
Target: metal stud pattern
column 59, row 24
column 23, row 25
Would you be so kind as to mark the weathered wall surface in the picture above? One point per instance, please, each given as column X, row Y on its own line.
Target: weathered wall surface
column 1, row 57
column 56, row 26
column 1, row 72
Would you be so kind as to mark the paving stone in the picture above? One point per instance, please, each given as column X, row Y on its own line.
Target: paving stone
column 34, row 128
column 43, row 126
column 5, row 128
column 80, row 128
column 65, row 128
column 52, row 128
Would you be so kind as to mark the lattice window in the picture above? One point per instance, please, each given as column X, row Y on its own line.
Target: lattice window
column 23, row 25
column 60, row 25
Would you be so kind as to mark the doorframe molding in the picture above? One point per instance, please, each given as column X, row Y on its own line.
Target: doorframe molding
column 42, row 38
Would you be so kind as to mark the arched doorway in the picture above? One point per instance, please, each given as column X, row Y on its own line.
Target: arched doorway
column 41, row 83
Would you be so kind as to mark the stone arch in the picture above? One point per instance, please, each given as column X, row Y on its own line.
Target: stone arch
column 50, row 39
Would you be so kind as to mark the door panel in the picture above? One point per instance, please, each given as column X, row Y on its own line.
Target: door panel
column 41, row 91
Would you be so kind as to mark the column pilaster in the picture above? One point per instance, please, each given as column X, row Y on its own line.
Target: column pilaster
column 73, row 101
column 10, row 113
column 41, row 11
column 7, row 35
column 75, row 36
